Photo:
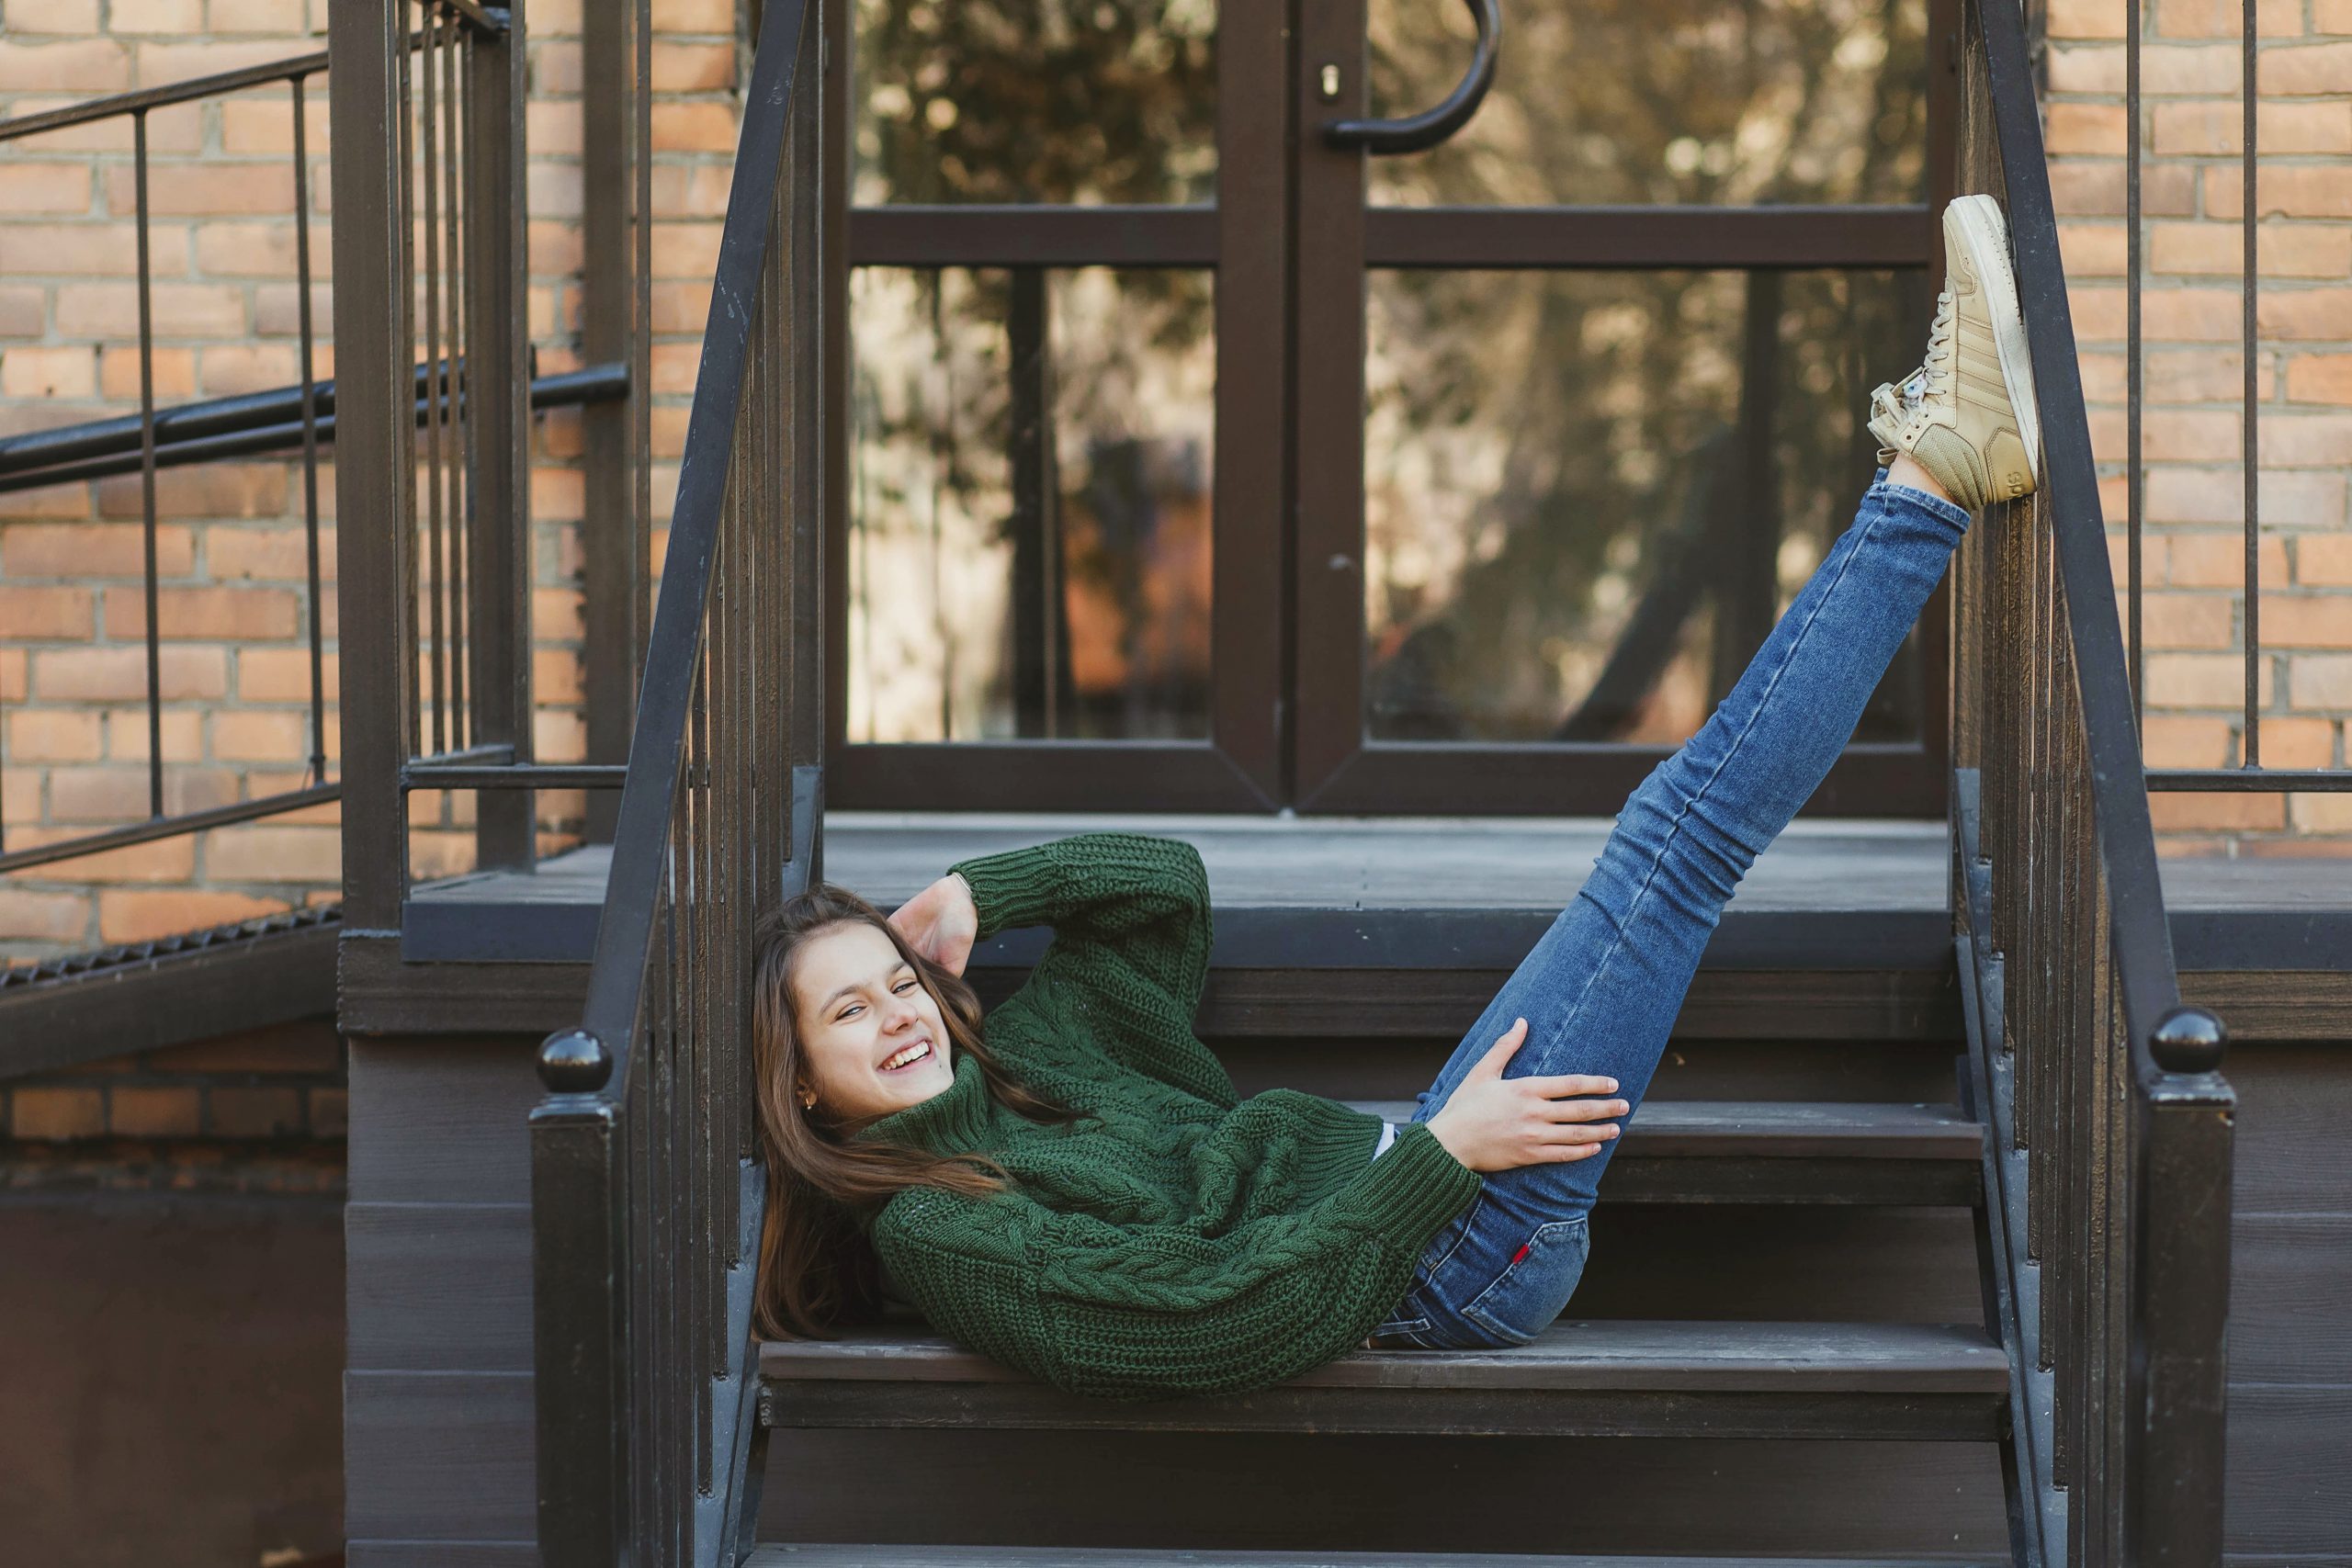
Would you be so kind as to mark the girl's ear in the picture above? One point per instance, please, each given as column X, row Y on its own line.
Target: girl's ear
column 807, row 1097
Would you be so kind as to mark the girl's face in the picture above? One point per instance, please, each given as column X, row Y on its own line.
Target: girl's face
column 871, row 1038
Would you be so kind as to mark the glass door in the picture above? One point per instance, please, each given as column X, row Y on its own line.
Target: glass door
column 1582, row 385
column 1056, row 516
column 1357, row 405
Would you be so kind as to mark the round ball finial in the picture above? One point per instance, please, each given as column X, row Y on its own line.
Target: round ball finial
column 573, row 1061
column 2189, row 1040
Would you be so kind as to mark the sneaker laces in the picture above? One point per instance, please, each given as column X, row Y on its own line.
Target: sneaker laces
column 1936, row 374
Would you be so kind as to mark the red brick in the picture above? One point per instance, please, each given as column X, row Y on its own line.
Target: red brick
column 231, row 614
column 165, row 63
column 2324, row 560
column 271, row 16
column 111, row 311
column 2303, row 312
column 151, row 1113
column 2219, row 129
column 270, row 736
column 2290, row 190
column 2096, row 188
column 231, row 368
column 54, row 1114
column 2239, row 812
column 122, row 795
column 254, row 1112
column 63, row 16
column 2188, row 620
column 83, row 65
column 29, row 613
column 182, row 735
column 691, row 67
column 2298, row 742
column 2208, row 248
column 46, row 735
column 258, row 250
column 699, row 126
column 2227, row 18
column 2324, row 814
column 2218, row 560
column 2322, row 681
column 42, row 916
column 266, row 853
column 44, row 187
column 23, row 311
column 2202, row 376
column 129, row 915
column 119, row 673
column 2303, row 68
column 267, row 554
column 2204, row 681
column 2172, row 741
column 2218, row 495
column 2306, row 440
column 2320, row 378
column 82, row 550
column 277, row 309
column 282, row 675
column 173, row 370
column 156, row 15
column 13, row 666
column 49, row 373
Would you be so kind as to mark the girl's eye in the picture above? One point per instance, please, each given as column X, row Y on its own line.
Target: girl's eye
column 842, row 1017
column 903, row 988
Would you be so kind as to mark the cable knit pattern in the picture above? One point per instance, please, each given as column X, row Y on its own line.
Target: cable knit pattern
column 1180, row 1239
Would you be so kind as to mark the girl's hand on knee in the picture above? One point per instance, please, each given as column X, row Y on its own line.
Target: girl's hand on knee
column 1491, row 1122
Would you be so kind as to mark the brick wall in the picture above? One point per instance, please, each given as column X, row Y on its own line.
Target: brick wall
column 234, row 608
column 262, row 1111
column 2193, row 365
column 235, row 612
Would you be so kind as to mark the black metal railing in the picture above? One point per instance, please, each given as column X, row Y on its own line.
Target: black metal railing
column 2249, row 772
column 647, row 1188
column 141, row 444
column 458, row 139
column 2108, row 1192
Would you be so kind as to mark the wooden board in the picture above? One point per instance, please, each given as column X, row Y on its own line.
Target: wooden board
column 870, row 1556
column 438, row 1455
column 439, row 1287
column 1388, row 1495
column 1745, row 1358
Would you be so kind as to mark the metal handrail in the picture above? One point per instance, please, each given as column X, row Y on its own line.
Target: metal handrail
column 648, row 1195
column 2108, row 1172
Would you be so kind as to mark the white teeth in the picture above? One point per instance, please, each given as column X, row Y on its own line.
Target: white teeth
column 907, row 1057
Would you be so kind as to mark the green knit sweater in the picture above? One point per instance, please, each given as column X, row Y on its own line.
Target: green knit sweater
column 1177, row 1239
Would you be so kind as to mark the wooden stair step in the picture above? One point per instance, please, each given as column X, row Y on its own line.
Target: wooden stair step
column 1783, row 1129
column 779, row 1555
column 1592, row 1378
column 1692, row 1151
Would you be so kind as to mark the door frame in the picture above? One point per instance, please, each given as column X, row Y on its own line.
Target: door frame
column 1289, row 240
column 1341, row 237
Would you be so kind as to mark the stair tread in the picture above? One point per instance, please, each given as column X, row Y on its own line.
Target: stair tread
column 779, row 1555
column 1663, row 1356
column 1783, row 1129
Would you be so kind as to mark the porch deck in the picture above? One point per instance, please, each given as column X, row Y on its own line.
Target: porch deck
column 1440, row 893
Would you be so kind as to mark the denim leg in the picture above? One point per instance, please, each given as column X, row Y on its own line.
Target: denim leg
column 1601, row 990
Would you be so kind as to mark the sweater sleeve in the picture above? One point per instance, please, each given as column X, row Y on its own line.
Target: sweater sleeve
column 1154, row 1311
column 1130, row 916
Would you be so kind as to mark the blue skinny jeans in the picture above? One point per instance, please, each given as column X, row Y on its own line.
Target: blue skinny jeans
column 1601, row 989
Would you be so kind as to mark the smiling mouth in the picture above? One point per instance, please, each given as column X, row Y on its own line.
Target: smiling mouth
column 905, row 1057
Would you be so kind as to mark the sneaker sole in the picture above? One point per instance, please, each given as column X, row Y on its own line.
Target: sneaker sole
column 1984, row 235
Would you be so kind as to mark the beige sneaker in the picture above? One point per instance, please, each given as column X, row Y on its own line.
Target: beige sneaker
column 1967, row 415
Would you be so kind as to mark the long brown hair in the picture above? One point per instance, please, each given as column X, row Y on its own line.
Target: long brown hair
column 817, row 1270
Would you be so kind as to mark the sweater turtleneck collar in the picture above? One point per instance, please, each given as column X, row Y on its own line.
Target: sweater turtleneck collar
column 951, row 1122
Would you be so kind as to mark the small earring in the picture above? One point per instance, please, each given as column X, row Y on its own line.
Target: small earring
column 808, row 1100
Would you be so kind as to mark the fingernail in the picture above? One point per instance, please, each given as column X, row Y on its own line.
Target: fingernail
column 1612, row 1083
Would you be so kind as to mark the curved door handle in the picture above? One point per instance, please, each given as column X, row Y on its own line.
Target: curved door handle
column 1416, row 133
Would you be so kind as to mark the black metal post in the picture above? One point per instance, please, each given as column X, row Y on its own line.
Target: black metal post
column 498, row 633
